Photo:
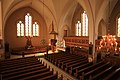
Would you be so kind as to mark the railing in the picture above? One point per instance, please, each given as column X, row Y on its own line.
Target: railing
column 79, row 41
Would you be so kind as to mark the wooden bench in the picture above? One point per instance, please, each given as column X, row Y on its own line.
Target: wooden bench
column 61, row 63
column 14, row 60
column 50, row 77
column 15, row 77
column 75, row 64
column 10, row 64
column 23, row 70
column 63, row 66
column 20, row 65
column 96, row 70
column 114, row 75
column 63, row 57
column 26, row 68
column 38, row 76
column 86, row 69
column 73, row 70
column 103, row 74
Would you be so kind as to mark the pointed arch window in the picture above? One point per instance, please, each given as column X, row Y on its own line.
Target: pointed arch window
column 84, row 24
column 20, row 29
column 28, row 24
column 118, row 27
column 82, row 28
column 35, row 29
column 78, row 29
column 28, row 29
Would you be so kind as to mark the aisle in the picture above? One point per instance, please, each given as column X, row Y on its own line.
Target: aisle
column 66, row 76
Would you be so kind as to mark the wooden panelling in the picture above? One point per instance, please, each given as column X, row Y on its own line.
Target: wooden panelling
column 81, row 41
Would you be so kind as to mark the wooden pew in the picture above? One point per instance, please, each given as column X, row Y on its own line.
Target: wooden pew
column 56, row 59
column 104, row 73
column 63, row 66
column 114, row 75
column 96, row 70
column 15, row 77
column 38, row 76
column 75, row 64
column 73, row 70
column 62, row 63
column 75, row 61
column 19, row 66
column 24, row 70
column 68, row 58
column 19, row 63
column 86, row 69
column 49, row 77
column 14, row 60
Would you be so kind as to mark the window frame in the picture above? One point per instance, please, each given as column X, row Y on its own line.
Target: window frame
column 20, row 28
column 29, row 32
column 84, row 28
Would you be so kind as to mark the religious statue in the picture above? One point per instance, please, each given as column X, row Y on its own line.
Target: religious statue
column 28, row 43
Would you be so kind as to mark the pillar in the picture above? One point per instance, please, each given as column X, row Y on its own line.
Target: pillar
column 1, row 31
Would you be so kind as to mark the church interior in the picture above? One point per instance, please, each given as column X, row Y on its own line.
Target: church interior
column 59, row 39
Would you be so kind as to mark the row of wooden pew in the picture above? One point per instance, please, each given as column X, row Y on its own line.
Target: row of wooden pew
column 79, row 67
column 27, row 68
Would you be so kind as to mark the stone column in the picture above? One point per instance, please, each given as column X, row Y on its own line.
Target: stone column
column 1, row 35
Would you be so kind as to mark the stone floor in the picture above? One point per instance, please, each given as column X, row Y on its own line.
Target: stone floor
column 37, row 54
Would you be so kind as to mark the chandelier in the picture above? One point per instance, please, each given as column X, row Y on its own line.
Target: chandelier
column 108, row 43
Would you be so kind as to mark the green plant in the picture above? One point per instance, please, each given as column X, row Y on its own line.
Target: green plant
column 43, row 41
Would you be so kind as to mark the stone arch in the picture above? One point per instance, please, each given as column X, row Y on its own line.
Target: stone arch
column 102, row 28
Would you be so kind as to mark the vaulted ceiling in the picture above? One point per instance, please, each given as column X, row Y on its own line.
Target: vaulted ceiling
column 60, row 11
column 55, row 9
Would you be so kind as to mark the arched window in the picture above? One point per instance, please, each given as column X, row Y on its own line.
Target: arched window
column 82, row 28
column 35, row 29
column 20, row 29
column 29, row 29
column 118, row 27
column 28, row 25
column 84, row 24
column 78, row 29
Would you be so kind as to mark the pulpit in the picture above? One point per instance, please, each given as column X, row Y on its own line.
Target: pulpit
column 53, row 41
column 53, row 44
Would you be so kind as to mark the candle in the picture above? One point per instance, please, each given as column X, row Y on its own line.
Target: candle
column 115, row 49
column 99, row 47
column 119, row 49
column 116, row 43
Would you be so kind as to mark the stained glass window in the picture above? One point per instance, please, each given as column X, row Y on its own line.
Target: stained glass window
column 29, row 29
column 28, row 25
column 20, row 29
column 35, row 29
column 78, row 29
column 84, row 24
column 82, row 28
column 118, row 28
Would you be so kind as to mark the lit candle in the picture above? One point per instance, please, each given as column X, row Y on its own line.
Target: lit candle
column 49, row 44
column 99, row 47
column 116, row 44
column 115, row 49
column 112, row 44
column 119, row 49
column 114, row 39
